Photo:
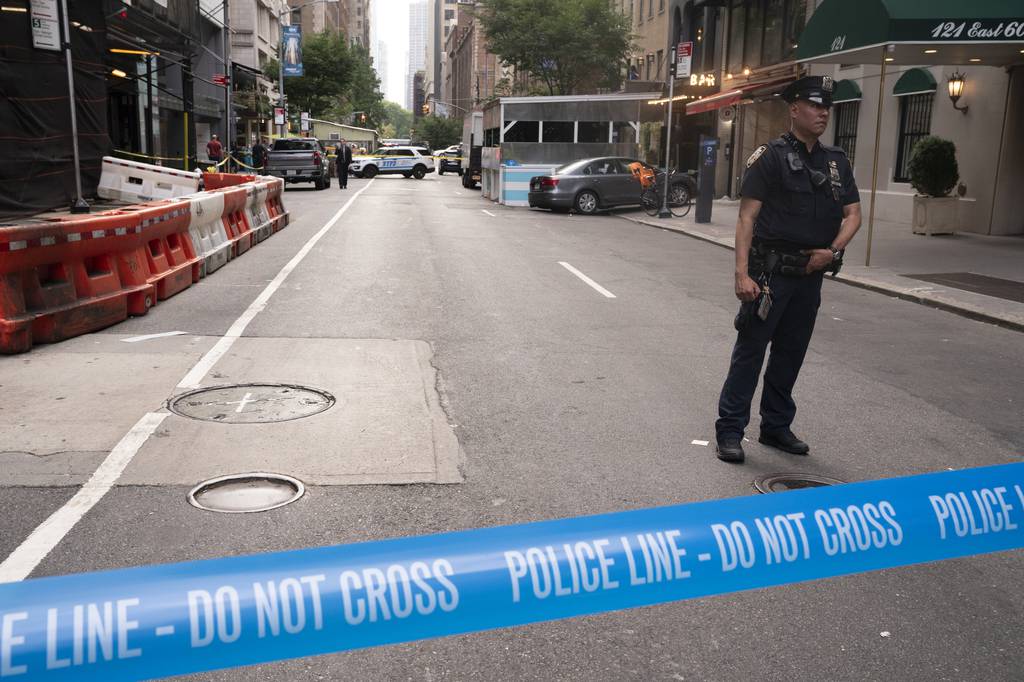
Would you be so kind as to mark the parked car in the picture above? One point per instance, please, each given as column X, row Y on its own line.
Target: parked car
column 449, row 160
column 592, row 185
column 299, row 159
column 413, row 162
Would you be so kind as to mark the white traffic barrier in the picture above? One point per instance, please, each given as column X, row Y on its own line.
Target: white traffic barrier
column 256, row 210
column 132, row 181
column 207, row 230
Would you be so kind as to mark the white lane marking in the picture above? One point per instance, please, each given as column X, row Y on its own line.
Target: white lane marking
column 147, row 337
column 164, row 630
column 23, row 560
column 195, row 376
column 488, row 213
column 704, row 557
column 597, row 287
column 699, row 442
column 459, row 193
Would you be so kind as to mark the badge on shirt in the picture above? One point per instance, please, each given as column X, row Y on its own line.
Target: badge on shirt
column 756, row 155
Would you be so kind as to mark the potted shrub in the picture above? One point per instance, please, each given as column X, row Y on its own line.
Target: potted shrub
column 934, row 173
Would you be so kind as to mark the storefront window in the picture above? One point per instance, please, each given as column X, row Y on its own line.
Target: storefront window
column 623, row 131
column 774, row 18
column 737, row 29
column 755, row 29
column 796, row 18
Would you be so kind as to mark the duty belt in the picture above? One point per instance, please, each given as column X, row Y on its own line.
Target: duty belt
column 764, row 259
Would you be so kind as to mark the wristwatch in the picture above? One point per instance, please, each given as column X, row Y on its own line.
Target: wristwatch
column 837, row 254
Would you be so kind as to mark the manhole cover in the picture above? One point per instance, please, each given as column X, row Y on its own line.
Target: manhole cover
column 777, row 483
column 241, row 493
column 251, row 403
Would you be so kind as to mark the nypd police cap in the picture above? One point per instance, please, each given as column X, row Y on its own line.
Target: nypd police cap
column 817, row 89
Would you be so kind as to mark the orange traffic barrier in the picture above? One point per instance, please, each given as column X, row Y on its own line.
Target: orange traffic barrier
column 275, row 207
column 165, row 256
column 220, row 180
column 62, row 278
column 235, row 223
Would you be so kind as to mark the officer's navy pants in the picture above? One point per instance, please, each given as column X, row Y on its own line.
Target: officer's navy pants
column 788, row 329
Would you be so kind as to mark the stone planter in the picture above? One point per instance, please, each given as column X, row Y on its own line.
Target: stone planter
column 935, row 215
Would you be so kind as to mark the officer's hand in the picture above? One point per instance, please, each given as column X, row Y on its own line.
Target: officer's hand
column 746, row 288
column 820, row 259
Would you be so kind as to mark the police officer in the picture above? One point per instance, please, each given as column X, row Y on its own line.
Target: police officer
column 799, row 209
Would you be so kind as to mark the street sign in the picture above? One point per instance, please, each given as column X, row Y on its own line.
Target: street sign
column 279, row 116
column 304, row 121
column 45, row 25
column 220, row 79
column 684, row 52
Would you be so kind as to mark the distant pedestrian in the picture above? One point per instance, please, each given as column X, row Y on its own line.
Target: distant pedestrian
column 259, row 153
column 214, row 150
column 799, row 209
column 342, row 162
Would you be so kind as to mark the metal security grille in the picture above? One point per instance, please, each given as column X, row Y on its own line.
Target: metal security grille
column 846, row 127
column 915, row 123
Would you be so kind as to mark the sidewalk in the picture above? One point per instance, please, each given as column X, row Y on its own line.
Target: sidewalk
column 897, row 256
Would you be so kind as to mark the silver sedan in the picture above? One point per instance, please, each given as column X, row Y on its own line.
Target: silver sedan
column 591, row 185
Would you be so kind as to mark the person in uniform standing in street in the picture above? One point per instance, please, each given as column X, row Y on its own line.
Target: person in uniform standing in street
column 799, row 209
column 344, row 159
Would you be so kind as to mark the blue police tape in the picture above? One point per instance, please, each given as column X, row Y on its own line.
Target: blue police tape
column 203, row 615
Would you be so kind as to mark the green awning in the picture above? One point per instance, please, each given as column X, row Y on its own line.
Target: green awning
column 914, row 82
column 846, row 91
column 987, row 32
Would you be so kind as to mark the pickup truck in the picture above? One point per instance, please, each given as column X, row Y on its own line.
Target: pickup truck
column 299, row 159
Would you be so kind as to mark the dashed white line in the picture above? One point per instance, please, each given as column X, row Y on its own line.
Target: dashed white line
column 147, row 337
column 45, row 537
column 597, row 287
column 488, row 213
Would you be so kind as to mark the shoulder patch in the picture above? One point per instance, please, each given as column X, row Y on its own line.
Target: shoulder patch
column 756, row 155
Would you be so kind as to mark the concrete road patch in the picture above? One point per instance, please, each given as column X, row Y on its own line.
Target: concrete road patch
column 387, row 426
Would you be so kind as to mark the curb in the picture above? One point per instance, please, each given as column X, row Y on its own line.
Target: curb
column 1012, row 322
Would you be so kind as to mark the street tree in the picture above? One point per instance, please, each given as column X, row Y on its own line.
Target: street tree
column 400, row 119
column 438, row 131
column 569, row 45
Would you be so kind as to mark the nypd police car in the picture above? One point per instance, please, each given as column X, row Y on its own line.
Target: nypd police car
column 407, row 161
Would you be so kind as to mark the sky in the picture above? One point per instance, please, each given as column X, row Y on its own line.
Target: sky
column 391, row 18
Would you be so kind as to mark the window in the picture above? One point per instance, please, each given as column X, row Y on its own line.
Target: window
column 333, row 136
column 915, row 123
column 661, row 6
column 593, row 131
column 846, row 127
column 737, row 29
column 752, row 40
column 659, row 62
column 773, row 30
column 650, row 8
column 796, row 17
column 522, row 131
column 650, row 64
column 558, row 131
column 623, row 131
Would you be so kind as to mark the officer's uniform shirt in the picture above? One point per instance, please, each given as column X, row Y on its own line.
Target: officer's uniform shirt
column 794, row 213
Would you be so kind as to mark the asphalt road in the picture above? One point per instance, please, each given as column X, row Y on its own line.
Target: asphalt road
column 564, row 402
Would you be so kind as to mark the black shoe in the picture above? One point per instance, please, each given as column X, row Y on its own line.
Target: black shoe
column 730, row 449
column 785, row 441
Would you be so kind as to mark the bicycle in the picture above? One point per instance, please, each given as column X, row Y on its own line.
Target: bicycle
column 679, row 199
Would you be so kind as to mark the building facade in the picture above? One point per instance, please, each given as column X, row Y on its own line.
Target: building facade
column 255, row 36
column 418, row 34
column 473, row 70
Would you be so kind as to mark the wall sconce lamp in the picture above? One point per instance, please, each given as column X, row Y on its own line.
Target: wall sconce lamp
column 956, row 89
